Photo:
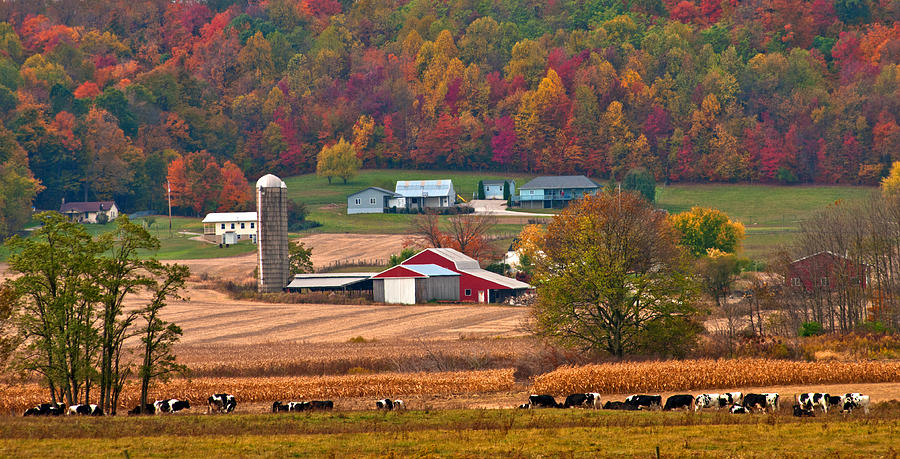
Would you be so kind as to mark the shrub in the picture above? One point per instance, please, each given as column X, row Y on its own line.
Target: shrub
column 810, row 329
column 102, row 218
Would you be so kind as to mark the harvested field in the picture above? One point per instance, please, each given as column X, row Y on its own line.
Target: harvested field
column 265, row 390
column 210, row 317
column 636, row 377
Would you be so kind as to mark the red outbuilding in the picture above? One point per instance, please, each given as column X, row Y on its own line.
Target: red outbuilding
column 475, row 284
column 826, row 271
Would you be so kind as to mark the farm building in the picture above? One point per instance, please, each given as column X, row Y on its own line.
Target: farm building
column 493, row 189
column 229, row 227
column 475, row 284
column 372, row 200
column 87, row 212
column 424, row 194
column 415, row 283
column 555, row 192
column 826, row 271
column 331, row 282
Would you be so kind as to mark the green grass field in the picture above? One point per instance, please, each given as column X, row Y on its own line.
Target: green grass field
column 469, row 433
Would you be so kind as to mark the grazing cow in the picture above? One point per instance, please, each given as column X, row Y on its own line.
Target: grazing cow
column 739, row 409
column 835, row 400
column 280, row 406
column 170, row 405
column 399, row 405
column 620, row 406
column 810, row 400
column 525, row 406
column 46, row 409
column 718, row 401
column 543, row 401
column 85, row 410
column 299, row 406
column 591, row 399
column 148, row 409
column 322, row 405
column 221, row 402
column 644, row 401
column 676, row 402
column 384, row 404
column 800, row 411
column 856, row 400
column 762, row 402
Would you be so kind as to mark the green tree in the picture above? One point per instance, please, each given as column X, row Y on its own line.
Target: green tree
column 608, row 273
column 641, row 181
column 702, row 229
column 339, row 160
column 158, row 335
column 481, row 189
column 300, row 258
column 404, row 254
column 717, row 274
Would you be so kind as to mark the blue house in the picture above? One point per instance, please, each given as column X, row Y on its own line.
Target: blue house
column 555, row 192
column 372, row 200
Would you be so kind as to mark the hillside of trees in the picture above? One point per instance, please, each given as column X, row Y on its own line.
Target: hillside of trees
column 107, row 99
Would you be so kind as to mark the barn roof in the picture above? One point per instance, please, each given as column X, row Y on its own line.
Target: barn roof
column 459, row 259
column 495, row 182
column 468, row 265
column 558, row 182
column 227, row 217
column 427, row 270
column 491, row 276
column 92, row 206
column 424, row 188
column 329, row 280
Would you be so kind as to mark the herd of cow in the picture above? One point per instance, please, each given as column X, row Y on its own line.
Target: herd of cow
column 735, row 402
column 216, row 403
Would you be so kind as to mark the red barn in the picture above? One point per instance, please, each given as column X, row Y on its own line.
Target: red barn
column 475, row 284
column 825, row 271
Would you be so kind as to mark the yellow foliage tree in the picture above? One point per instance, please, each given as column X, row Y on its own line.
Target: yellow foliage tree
column 704, row 231
column 338, row 160
column 890, row 185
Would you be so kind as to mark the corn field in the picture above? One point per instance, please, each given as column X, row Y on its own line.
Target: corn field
column 17, row 398
column 635, row 377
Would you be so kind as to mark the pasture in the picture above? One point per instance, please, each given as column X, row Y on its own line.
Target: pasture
column 469, row 433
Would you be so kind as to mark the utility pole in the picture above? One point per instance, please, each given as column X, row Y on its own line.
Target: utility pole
column 169, row 198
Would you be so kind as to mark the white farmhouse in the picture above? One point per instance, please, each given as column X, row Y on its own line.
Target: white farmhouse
column 230, row 227
column 87, row 212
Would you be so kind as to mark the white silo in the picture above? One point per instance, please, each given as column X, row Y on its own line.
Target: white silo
column 272, row 234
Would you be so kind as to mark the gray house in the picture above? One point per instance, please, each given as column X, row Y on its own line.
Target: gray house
column 493, row 189
column 555, row 192
column 372, row 200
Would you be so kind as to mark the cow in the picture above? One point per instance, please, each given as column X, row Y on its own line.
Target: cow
column 281, row 406
column 148, row 409
column 590, row 399
column 46, row 409
column 762, row 402
column 221, row 402
column 399, row 405
column 739, row 409
column 620, row 406
column 384, row 404
column 299, row 406
column 543, row 401
column 800, row 411
column 85, row 410
column 676, row 402
column 835, row 400
column 810, row 400
column 718, row 401
column 170, row 405
column 644, row 401
column 855, row 400
column 525, row 406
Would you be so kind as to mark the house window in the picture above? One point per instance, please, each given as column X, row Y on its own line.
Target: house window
column 232, row 226
column 357, row 201
column 371, row 200
column 795, row 281
column 468, row 292
column 239, row 237
column 223, row 226
column 242, row 225
column 252, row 225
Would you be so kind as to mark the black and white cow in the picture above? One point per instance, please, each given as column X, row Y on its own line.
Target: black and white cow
column 399, row 405
column 384, row 404
column 856, row 400
column 718, row 401
column 762, row 402
column 677, row 402
column 588, row 399
column 525, row 406
column 299, row 406
column 739, row 409
column 221, row 402
column 543, row 401
column 170, row 405
column 810, row 400
column 610, row 405
column 85, row 410
column 644, row 401
column 46, row 409
column 148, row 409
column 835, row 400
column 800, row 411
column 280, row 406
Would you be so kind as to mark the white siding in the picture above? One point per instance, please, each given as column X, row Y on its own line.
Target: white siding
column 401, row 291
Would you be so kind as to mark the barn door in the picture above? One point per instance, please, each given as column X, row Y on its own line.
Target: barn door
column 481, row 296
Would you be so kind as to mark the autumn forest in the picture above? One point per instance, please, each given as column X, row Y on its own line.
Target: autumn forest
column 107, row 99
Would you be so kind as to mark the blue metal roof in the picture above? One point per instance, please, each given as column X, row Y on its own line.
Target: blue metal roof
column 560, row 182
column 430, row 270
column 424, row 188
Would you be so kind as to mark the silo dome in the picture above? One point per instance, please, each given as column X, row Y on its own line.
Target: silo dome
column 270, row 181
